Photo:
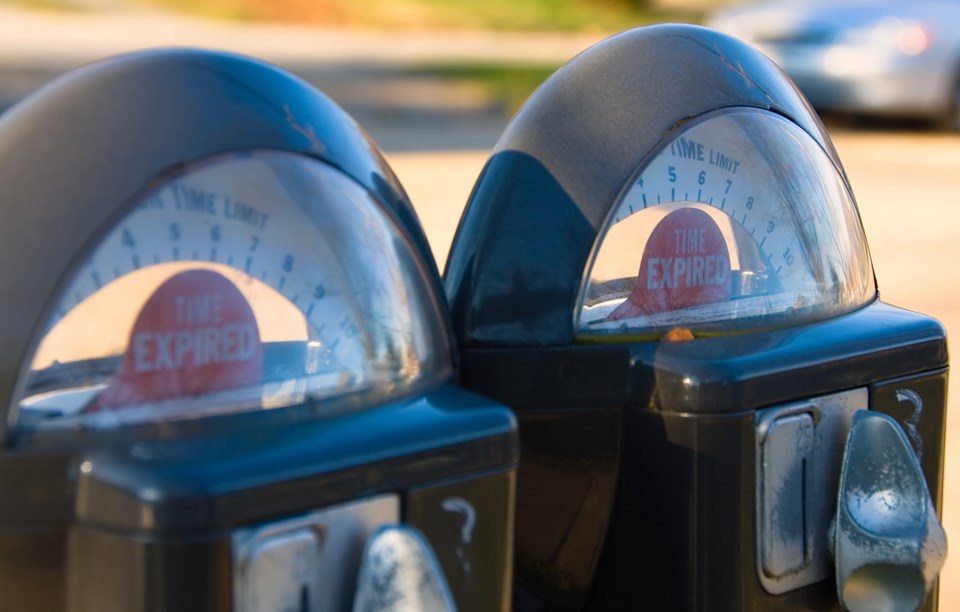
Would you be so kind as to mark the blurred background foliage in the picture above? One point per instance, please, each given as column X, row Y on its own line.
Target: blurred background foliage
column 505, row 85
column 511, row 15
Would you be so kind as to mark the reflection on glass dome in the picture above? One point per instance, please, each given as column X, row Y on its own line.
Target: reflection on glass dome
column 245, row 282
column 738, row 221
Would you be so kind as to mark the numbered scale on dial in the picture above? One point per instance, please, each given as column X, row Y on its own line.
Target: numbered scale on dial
column 733, row 219
column 247, row 281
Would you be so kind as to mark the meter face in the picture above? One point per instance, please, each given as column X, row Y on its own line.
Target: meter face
column 247, row 281
column 739, row 220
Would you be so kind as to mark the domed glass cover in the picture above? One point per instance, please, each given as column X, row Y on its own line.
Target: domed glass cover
column 244, row 282
column 739, row 220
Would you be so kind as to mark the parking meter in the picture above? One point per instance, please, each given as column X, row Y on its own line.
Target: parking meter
column 662, row 271
column 227, row 376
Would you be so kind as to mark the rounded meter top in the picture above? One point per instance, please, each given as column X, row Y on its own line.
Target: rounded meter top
column 669, row 179
column 199, row 233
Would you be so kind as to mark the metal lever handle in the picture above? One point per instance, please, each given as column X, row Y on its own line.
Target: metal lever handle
column 888, row 543
column 399, row 573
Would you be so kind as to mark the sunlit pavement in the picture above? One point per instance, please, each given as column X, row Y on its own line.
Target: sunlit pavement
column 907, row 184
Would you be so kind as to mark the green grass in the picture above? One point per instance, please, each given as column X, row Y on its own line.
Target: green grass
column 46, row 5
column 563, row 15
column 510, row 15
column 509, row 85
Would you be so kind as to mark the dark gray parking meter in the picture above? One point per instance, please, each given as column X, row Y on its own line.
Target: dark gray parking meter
column 662, row 271
column 226, row 376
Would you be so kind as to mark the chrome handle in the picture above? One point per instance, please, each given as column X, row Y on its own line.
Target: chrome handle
column 888, row 543
column 400, row 573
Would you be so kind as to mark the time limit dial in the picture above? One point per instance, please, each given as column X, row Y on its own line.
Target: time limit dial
column 738, row 219
column 247, row 281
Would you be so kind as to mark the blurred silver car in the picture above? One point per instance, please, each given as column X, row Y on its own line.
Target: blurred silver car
column 881, row 57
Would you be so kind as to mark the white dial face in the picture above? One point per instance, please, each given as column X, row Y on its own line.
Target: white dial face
column 738, row 219
column 229, row 288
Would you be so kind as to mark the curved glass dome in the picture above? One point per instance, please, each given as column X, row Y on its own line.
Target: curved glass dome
column 244, row 282
column 739, row 220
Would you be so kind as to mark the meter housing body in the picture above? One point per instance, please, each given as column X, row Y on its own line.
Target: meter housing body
column 204, row 496
column 697, row 474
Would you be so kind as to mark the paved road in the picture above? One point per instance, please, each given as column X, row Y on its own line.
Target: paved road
column 907, row 184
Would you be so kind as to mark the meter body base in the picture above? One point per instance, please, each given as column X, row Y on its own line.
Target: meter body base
column 682, row 420
column 149, row 525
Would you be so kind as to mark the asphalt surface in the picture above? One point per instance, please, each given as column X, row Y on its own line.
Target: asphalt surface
column 437, row 138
